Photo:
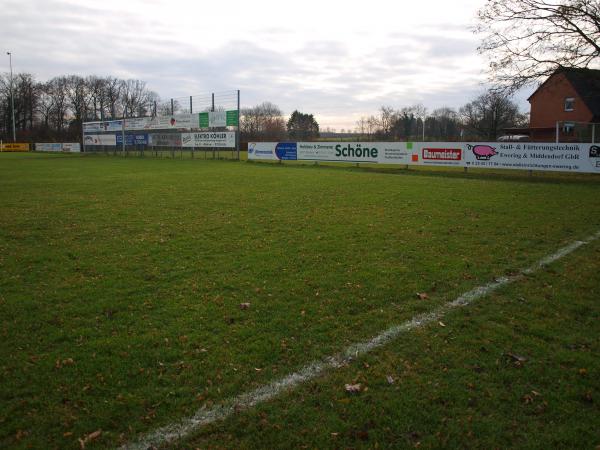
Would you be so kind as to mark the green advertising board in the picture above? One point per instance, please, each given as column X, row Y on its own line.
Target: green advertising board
column 206, row 121
column 232, row 118
column 203, row 120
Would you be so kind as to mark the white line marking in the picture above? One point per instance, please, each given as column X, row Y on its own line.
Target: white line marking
column 203, row 416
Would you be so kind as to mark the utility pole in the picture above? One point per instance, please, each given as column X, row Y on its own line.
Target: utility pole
column 12, row 98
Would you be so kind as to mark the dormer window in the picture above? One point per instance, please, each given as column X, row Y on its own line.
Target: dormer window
column 569, row 103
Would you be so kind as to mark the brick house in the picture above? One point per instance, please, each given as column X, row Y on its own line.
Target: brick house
column 568, row 96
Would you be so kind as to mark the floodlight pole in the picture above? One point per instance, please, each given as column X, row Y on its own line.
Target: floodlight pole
column 12, row 98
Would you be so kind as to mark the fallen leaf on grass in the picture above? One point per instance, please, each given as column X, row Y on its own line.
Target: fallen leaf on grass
column 389, row 379
column 65, row 362
column 442, row 324
column 422, row 295
column 353, row 388
column 516, row 358
column 587, row 397
column 244, row 305
column 20, row 434
column 89, row 438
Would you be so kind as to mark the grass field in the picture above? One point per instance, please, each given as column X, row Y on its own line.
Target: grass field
column 121, row 281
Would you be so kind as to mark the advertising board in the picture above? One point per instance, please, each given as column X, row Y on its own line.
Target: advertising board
column 104, row 126
column 225, row 139
column 362, row 152
column 14, row 147
column 165, row 139
column 100, row 139
column 133, row 139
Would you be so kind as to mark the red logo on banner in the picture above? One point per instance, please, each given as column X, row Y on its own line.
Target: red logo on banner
column 442, row 154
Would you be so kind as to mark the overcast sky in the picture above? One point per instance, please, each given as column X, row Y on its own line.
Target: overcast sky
column 338, row 60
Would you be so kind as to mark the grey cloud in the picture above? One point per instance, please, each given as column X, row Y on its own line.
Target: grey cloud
column 61, row 38
column 449, row 47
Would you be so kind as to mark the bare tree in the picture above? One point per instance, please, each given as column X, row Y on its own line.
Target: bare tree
column 527, row 40
column 96, row 87
column 264, row 121
column 45, row 104
column 112, row 95
column 361, row 126
column 489, row 114
column 78, row 97
column 135, row 98
column 443, row 124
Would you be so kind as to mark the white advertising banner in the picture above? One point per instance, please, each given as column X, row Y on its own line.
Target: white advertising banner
column 137, row 123
column 225, row 139
column 217, row 119
column 178, row 121
column 57, row 147
column 565, row 157
column 267, row 150
column 110, row 125
column 100, row 139
column 48, row 147
column 73, row 147
column 365, row 152
column 173, row 122
column 165, row 139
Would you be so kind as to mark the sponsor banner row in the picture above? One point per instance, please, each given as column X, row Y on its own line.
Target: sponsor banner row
column 493, row 155
column 175, row 122
column 72, row 147
column 225, row 139
column 14, row 147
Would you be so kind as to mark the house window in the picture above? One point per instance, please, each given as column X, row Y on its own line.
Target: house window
column 569, row 103
column 568, row 128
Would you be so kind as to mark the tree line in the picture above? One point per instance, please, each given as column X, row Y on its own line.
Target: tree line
column 55, row 109
column 485, row 117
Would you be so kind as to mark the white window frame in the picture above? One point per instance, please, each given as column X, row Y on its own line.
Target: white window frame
column 569, row 103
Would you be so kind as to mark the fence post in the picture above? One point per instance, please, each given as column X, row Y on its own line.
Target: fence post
column 237, row 131
column 123, row 129
column 82, row 138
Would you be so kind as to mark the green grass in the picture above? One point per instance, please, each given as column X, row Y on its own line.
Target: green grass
column 121, row 279
column 150, row 152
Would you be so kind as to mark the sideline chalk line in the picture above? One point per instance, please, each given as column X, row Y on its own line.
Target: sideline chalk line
column 205, row 416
